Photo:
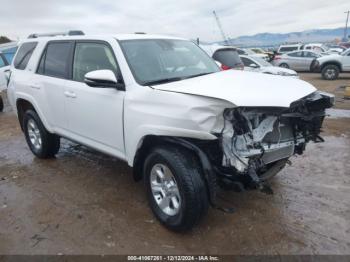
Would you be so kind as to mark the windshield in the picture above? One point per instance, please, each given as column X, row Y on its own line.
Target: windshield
column 157, row 61
column 262, row 61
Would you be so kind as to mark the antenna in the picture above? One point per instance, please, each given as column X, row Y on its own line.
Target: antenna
column 220, row 28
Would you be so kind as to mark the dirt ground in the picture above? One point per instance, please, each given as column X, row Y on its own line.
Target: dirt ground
column 335, row 87
column 84, row 202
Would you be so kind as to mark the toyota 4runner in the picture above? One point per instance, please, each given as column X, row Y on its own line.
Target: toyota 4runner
column 164, row 106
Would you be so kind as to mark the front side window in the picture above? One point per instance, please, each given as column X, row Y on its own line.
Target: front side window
column 310, row 55
column 55, row 60
column 157, row 61
column 24, row 54
column 90, row 57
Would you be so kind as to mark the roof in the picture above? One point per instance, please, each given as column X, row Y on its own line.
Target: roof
column 101, row 37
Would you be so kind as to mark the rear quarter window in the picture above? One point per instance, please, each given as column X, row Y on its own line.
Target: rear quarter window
column 24, row 54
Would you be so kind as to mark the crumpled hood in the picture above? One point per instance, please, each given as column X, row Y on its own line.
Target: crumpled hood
column 244, row 89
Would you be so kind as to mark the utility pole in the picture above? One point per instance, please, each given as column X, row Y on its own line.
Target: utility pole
column 346, row 26
column 220, row 28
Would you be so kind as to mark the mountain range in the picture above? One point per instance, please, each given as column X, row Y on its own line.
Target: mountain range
column 274, row 39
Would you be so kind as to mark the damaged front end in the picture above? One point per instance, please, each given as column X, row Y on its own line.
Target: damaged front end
column 256, row 143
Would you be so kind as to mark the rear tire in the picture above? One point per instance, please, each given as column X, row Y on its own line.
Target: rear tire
column 330, row 72
column 186, row 191
column 42, row 143
column 1, row 104
column 284, row 65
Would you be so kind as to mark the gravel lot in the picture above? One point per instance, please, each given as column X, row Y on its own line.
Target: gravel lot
column 84, row 202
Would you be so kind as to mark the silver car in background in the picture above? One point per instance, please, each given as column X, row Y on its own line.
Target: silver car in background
column 297, row 60
column 259, row 65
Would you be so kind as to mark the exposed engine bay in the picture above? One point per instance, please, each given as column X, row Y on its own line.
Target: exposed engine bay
column 257, row 142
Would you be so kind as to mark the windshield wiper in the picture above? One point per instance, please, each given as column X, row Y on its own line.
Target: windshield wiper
column 197, row 75
column 163, row 81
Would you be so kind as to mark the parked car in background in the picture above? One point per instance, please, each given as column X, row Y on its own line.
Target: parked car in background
column 162, row 105
column 225, row 55
column 346, row 45
column 331, row 66
column 4, row 70
column 259, row 65
column 297, row 60
column 9, row 50
column 289, row 48
column 335, row 48
column 247, row 51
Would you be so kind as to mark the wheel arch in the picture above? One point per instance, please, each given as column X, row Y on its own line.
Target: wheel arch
column 151, row 141
column 333, row 62
column 25, row 103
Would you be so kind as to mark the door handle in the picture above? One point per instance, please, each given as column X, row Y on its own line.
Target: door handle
column 35, row 86
column 70, row 94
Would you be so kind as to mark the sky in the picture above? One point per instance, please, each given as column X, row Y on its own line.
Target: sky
column 183, row 18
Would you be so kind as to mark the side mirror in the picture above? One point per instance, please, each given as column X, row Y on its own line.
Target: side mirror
column 101, row 78
column 253, row 65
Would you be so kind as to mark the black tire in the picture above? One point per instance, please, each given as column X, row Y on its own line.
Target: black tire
column 284, row 65
column 330, row 72
column 192, row 188
column 1, row 104
column 50, row 143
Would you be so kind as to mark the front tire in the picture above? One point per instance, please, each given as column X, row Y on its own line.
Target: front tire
column 176, row 191
column 330, row 72
column 42, row 143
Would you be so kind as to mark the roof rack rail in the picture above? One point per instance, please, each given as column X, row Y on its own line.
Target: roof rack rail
column 69, row 33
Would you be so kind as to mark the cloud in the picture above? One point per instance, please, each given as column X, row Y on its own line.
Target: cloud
column 185, row 18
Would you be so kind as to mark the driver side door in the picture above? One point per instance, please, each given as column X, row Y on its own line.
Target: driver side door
column 95, row 114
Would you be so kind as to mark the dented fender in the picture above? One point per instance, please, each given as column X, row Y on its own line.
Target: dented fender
column 169, row 114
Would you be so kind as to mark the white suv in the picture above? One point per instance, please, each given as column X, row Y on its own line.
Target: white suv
column 331, row 66
column 163, row 105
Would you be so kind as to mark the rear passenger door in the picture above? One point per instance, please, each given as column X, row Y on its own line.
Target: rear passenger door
column 308, row 58
column 52, row 78
column 295, row 60
column 95, row 114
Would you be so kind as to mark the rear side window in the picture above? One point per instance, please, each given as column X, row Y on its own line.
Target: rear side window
column 228, row 57
column 24, row 54
column 55, row 60
column 296, row 54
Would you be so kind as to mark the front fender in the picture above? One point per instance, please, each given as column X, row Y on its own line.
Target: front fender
column 134, row 142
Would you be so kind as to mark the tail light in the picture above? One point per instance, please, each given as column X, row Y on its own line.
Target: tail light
column 225, row 67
